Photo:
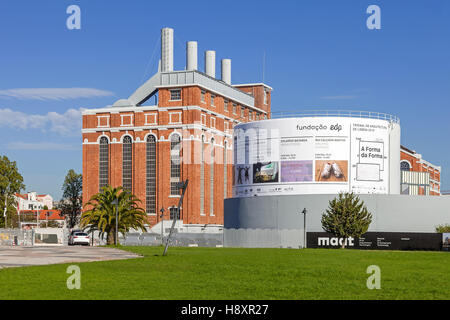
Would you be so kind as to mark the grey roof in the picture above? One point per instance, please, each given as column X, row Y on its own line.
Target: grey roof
column 183, row 78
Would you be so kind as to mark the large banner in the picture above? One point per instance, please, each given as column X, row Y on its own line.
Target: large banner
column 378, row 241
column 311, row 155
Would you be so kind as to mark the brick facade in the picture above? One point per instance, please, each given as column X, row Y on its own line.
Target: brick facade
column 191, row 118
column 415, row 163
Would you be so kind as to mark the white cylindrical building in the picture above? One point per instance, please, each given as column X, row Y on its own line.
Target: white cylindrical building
column 318, row 153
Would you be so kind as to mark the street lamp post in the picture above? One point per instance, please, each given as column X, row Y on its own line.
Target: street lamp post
column 162, row 223
column 116, row 203
column 183, row 187
column 304, row 227
column 6, row 205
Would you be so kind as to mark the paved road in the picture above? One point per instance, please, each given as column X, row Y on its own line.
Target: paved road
column 33, row 256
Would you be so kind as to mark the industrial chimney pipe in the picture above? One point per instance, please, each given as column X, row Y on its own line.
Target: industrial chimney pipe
column 210, row 63
column 191, row 55
column 226, row 71
column 166, row 49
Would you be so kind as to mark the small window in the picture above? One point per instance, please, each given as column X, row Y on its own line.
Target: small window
column 265, row 96
column 175, row 94
column 213, row 122
column 250, row 115
column 242, row 112
column 213, row 97
column 203, row 93
column 225, row 105
column 234, row 108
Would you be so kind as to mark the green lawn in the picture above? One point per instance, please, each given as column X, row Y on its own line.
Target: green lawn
column 225, row 273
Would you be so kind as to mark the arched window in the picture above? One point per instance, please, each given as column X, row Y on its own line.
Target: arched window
column 202, row 178
column 404, row 166
column 225, row 170
column 211, row 180
column 127, row 163
column 151, row 175
column 175, row 164
column 103, row 163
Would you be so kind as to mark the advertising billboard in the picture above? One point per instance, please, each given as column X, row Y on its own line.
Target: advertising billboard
column 377, row 241
column 311, row 155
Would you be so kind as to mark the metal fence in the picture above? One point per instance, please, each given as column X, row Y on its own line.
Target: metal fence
column 11, row 237
column 336, row 113
column 177, row 239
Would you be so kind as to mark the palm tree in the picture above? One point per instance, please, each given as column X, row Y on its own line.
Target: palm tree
column 102, row 213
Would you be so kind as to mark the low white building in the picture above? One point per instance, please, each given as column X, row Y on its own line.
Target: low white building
column 33, row 201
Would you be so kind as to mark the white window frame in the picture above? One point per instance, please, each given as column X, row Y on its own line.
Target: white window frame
column 102, row 117
column 203, row 119
column 213, row 122
column 180, row 120
column 122, row 116
column 203, row 96
column 172, row 90
column 155, row 118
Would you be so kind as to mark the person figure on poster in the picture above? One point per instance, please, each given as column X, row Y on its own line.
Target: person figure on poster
column 240, row 169
column 247, row 176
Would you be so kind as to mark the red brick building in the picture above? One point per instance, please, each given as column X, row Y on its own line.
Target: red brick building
column 418, row 175
column 186, row 134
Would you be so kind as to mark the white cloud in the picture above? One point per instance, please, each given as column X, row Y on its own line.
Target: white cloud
column 42, row 146
column 68, row 123
column 53, row 93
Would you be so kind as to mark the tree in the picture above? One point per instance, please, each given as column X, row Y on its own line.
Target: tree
column 72, row 201
column 443, row 228
column 102, row 213
column 346, row 216
column 11, row 182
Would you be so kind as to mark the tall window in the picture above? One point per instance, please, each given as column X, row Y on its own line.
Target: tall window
column 202, row 95
column 202, row 178
column 211, row 180
column 151, row 175
column 174, row 213
column 127, row 163
column 103, row 163
column 234, row 108
column 175, row 164
column 242, row 112
column 225, row 105
column 225, row 170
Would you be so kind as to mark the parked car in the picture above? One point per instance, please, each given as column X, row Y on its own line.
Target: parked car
column 81, row 238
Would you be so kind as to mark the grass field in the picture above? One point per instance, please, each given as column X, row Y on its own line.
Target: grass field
column 225, row 273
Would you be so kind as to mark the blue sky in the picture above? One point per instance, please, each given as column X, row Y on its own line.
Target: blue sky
column 319, row 55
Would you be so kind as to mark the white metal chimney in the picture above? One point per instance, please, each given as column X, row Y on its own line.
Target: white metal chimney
column 226, row 71
column 191, row 55
column 166, row 49
column 210, row 63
